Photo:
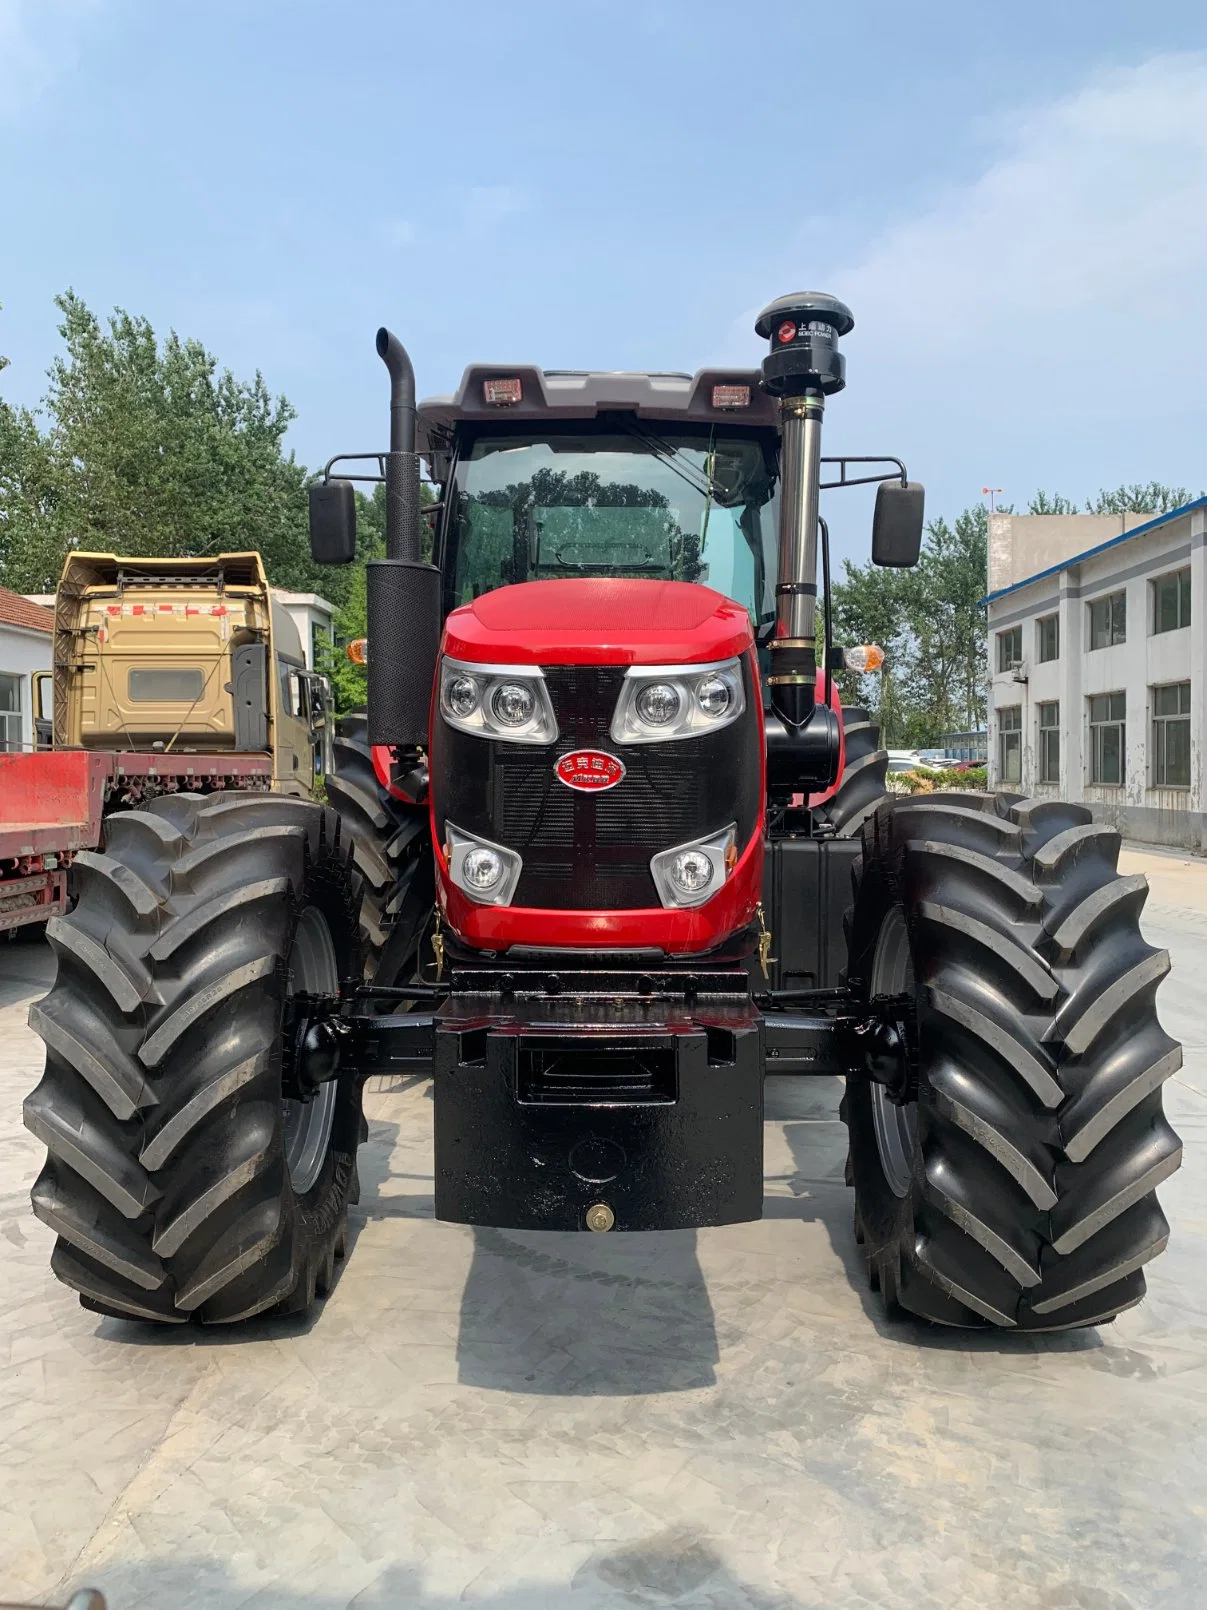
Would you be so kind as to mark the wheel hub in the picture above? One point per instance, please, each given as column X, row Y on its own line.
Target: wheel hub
column 313, row 970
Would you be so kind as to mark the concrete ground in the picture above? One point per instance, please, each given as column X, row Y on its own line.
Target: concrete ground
column 528, row 1422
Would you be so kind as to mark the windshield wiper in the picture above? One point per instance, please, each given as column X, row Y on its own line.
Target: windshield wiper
column 668, row 455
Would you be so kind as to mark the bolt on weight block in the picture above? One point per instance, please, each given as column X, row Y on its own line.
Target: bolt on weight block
column 559, row 1131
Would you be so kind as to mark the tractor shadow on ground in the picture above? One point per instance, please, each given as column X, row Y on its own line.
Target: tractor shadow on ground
column 569, row 1315
column 816, row 1139
column 677, row 1567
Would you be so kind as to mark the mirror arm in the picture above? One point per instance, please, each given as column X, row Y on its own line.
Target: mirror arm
column 349, row 458
column 899, row 474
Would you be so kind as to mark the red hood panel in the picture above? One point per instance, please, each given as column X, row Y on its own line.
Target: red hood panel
column 599, row 621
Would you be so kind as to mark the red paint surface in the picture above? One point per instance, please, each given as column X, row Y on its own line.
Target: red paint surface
column 51, row 801
column 598, row 621
column 676, row 933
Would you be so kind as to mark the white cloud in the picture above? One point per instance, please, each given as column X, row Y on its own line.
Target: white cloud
column 1097, row 204
column 1044, row 324
column 35, row 48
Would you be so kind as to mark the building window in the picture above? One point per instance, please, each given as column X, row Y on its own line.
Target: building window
column 1171, row 601
column 1049, row 637
column 10, row 712
column 1108, row 620
column 1108, row 738
column 1010, row 744
column 1009, row 648
column 1049, row 743
column 1171, row 736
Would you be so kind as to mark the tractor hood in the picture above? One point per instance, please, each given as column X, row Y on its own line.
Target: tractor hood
column 599, row 621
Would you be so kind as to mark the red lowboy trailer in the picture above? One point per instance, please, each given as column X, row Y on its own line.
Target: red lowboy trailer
column 52, row 805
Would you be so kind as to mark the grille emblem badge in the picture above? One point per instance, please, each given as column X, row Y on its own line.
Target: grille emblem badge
column 590, row 771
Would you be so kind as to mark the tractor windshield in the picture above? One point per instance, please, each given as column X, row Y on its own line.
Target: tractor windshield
column 694, row 507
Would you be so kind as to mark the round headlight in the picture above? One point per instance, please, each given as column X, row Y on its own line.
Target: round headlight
column 513, row 703
column 691, row 871
column 714, row 695
column 461, row 695
column 482, row 868
column 658, row 703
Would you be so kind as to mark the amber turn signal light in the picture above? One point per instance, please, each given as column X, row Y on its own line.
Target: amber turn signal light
column 863, row 657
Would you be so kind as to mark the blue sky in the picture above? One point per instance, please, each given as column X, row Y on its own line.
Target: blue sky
column 1011, row 197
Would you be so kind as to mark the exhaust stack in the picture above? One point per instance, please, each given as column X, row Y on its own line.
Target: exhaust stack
column 402, row 593
column 402, row 465
column 802, row 368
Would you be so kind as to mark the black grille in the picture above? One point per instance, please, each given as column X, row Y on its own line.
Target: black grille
column 592, row 851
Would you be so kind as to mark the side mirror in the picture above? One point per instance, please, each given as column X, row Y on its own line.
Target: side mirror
column 897, row 524
column 332, row 523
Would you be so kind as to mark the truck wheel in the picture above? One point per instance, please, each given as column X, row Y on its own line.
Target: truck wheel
column 863, row 784
column 391, row 846
column 181, row 1184
column 1012, row 1180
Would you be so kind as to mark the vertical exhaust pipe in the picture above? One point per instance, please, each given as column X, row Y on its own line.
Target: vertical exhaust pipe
column 802, row 368
column 402, row 466
column 402, row 593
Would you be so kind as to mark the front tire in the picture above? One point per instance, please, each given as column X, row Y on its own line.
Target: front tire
column 1016, row 1185
column 179, row 1181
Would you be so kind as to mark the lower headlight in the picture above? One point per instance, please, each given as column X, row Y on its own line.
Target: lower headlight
column 483, row 868
column 486, row 872
column 690, row 874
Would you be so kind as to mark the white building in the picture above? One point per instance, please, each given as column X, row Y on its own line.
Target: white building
column 1097, row 673
column 26, row 641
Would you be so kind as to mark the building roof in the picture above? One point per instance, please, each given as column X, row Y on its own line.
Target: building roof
column 18, row 611
column 1102, row 547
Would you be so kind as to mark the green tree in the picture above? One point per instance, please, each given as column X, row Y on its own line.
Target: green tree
column 149, row 449
column 1051, row 503
column 1155, row 498
column 930, row 623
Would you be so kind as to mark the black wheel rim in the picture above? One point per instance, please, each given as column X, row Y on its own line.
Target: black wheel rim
column 896, row 1126
column 313, row 970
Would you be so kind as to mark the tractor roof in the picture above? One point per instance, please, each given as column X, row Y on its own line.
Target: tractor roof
column 566, row 394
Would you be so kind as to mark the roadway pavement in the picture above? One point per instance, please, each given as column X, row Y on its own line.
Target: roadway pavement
column 525, row 1422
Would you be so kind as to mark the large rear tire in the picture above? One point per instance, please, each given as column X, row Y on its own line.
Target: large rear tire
column 180, row 1183
column 391, row 843
column 1017, row 1186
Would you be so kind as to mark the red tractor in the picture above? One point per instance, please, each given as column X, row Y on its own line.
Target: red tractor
column 614, row 853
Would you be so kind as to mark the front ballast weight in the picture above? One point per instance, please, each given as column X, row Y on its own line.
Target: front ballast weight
column 558, row 1093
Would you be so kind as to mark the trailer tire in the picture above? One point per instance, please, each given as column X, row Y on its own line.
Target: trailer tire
column 391, row 844
column 1017, row 1187
column 863, row 783
column 179, row 1182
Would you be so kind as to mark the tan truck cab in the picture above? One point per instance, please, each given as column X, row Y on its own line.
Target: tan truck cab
column 186, row 656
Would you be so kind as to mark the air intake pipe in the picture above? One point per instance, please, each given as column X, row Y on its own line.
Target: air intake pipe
column 402, row 593
column 802, row 368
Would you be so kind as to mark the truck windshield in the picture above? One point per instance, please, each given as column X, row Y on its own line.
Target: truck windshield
column 678, row 507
